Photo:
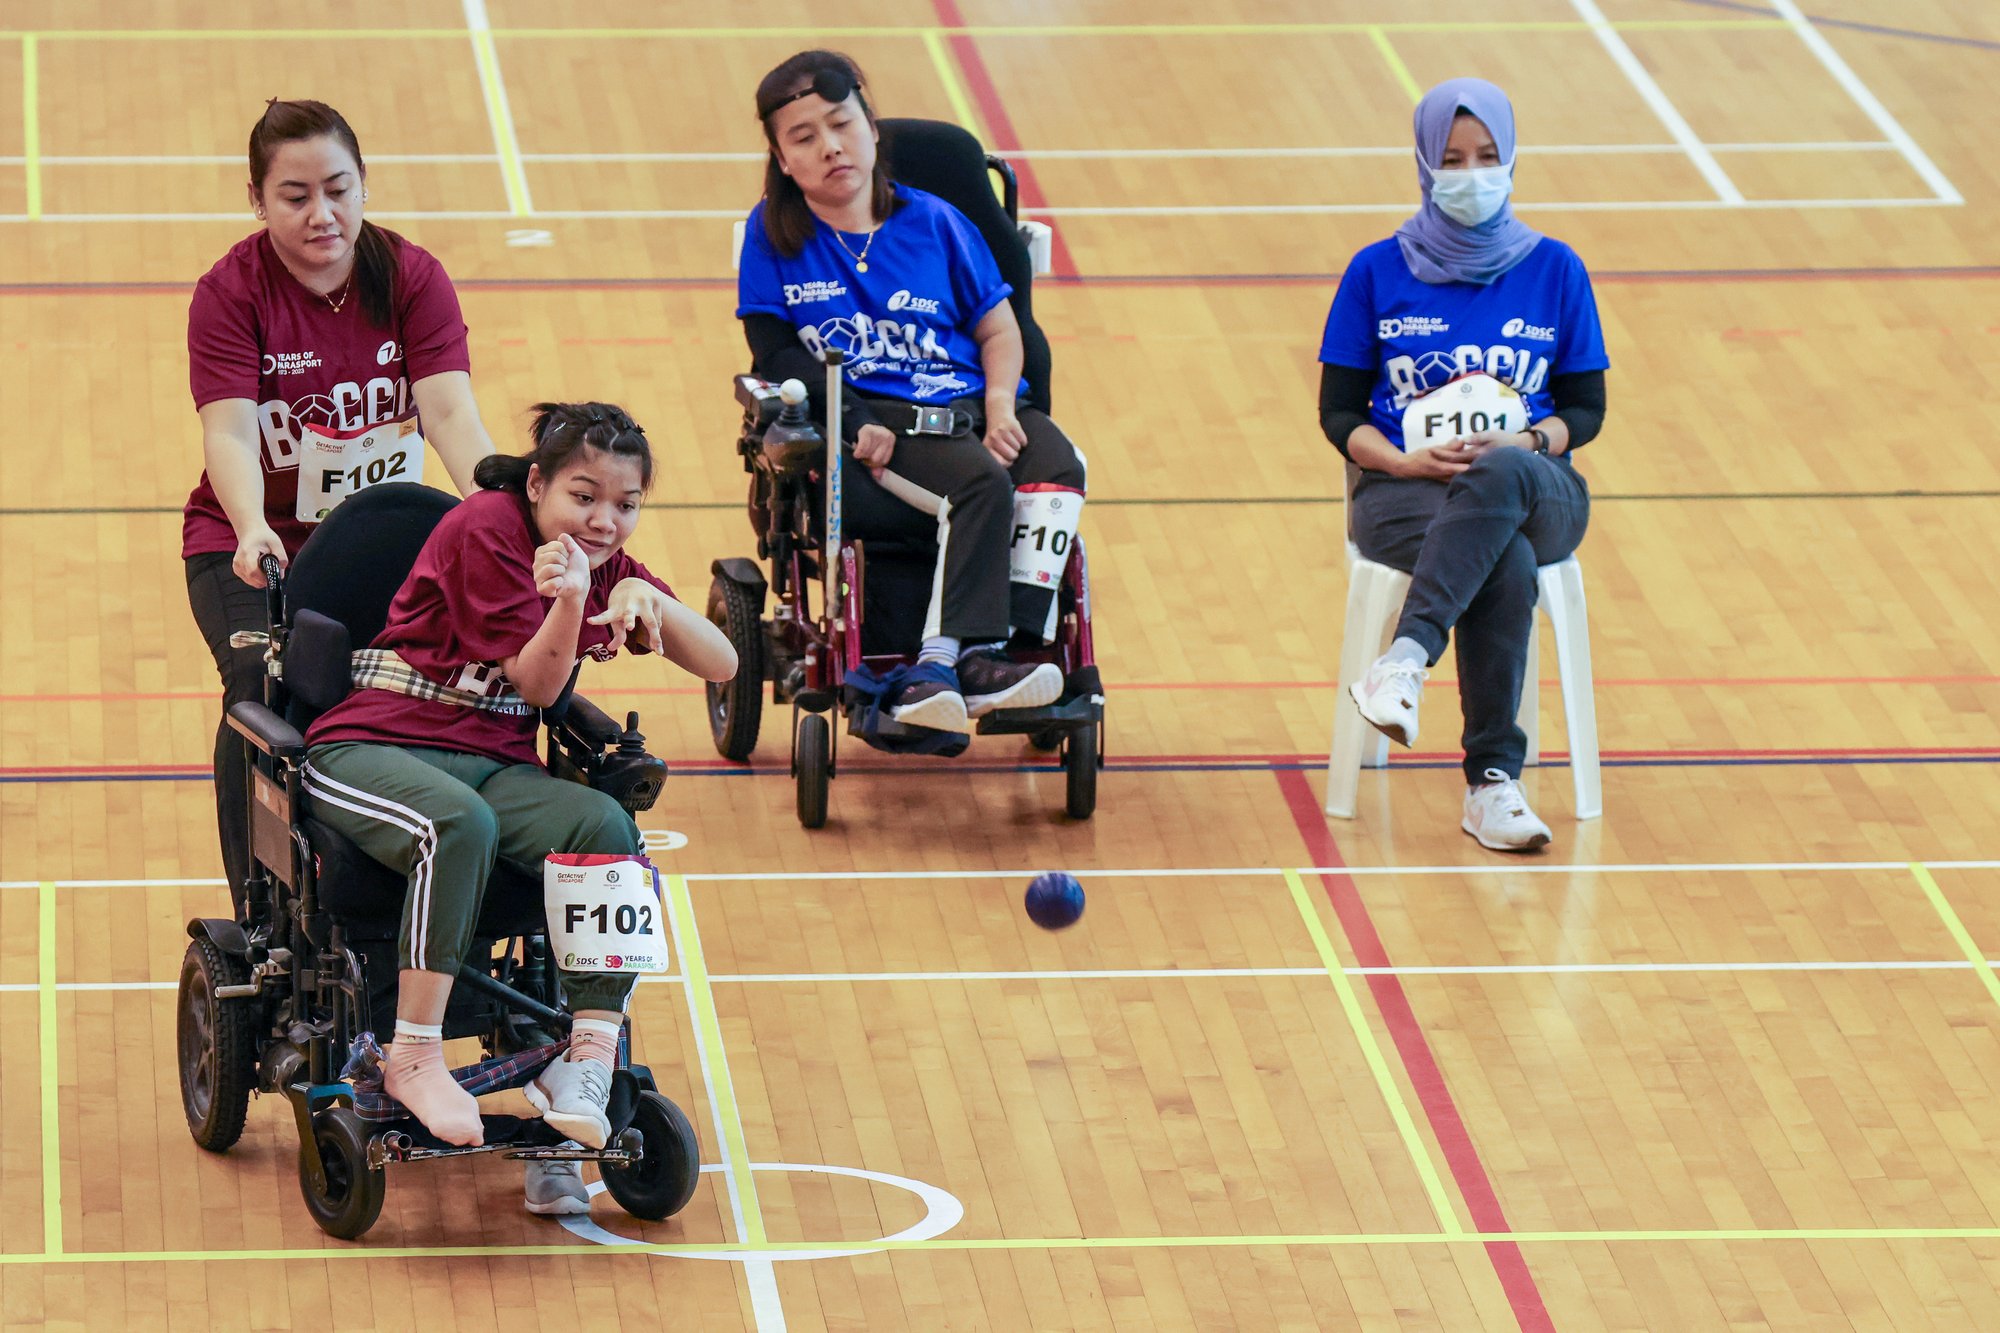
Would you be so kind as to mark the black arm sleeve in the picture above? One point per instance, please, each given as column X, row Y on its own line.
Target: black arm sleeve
column 1580, row 403
column 776, row 354
column 1343, row 402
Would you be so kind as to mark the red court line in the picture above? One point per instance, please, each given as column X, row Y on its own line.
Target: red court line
column 994, row 112
column 1151, row 686
column 1426, row 1079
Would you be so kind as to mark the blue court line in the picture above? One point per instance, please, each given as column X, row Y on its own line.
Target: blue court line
column 1879, row 30
column 916, row 769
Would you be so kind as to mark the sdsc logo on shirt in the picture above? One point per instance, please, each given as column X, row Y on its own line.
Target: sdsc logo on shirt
column 916, row 305
column 1521, row 328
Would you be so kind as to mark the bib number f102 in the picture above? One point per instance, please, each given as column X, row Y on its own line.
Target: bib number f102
column 334, row 465
column 1466, row 406
column 605, row 914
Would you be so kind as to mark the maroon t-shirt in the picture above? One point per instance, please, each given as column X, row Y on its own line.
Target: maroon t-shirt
column 256, row 332
column 469, row 602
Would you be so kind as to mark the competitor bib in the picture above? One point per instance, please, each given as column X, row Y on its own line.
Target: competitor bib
column 1468, row 404
column 605, row 913
column 1045, row 518
column 336, row 464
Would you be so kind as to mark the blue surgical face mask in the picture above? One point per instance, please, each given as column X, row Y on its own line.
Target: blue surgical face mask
column 1471, row 196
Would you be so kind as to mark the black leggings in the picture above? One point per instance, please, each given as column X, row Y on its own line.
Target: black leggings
column 224, row 604
column 971, row 493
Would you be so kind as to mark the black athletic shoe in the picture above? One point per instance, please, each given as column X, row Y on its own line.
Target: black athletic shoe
column 930, row 698
column 991, row 681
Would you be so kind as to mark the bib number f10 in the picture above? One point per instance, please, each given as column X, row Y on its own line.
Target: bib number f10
column 1466, row 406
column 334, row 465
column 605, row 914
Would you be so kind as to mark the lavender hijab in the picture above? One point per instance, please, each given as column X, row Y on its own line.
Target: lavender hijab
column 1436, row 248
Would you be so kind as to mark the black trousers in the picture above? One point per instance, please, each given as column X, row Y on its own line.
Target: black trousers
column 224, row 604
column 971, row 494
column 1472, row 547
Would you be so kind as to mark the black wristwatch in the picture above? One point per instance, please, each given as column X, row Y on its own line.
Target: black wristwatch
column 1541, row 439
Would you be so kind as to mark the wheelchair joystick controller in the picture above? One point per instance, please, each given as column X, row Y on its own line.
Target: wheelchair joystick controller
column 792, row 441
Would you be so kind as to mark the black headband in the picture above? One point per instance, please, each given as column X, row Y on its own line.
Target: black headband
column 833, row 84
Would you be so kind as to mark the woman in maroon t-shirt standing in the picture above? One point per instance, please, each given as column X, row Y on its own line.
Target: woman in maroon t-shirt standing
column 312, row 347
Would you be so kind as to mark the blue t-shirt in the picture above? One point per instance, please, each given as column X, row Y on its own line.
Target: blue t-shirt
column 906, row 324
column 1537, row 319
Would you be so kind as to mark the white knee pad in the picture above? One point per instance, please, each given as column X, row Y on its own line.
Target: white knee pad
column 1045, row 518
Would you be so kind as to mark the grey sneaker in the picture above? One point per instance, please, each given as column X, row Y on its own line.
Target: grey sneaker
column 572, row 1096
column 555, row 1189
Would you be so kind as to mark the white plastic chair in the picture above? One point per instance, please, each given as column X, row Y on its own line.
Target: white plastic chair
column 1374, row 601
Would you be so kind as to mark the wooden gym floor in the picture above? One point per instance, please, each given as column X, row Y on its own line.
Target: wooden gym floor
column 1725, row 1058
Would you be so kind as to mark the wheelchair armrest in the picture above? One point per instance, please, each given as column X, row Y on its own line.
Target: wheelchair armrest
column 1040, row 238
column 266, row 730
column 586, row 725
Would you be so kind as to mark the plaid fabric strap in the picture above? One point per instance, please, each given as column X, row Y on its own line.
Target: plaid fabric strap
column 382, row 669
column 492, row 1075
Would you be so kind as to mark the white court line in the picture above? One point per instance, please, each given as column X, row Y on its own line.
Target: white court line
column 1182, row 872
column 1076, row 154
column 1651, row 93
column 1211, row 973
column 1871, row 107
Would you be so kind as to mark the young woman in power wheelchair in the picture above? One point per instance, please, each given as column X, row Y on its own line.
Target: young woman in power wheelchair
column 403, row 835
column 898, row 272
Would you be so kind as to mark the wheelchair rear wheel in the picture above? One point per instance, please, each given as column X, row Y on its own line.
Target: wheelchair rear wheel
column 1082, row 752
column 736, row 706
column 216, row 1042
column 812, row 768
column 669, row 1168
column 349, row 1200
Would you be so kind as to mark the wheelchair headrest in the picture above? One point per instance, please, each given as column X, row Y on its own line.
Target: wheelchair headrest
column 947, row 161
column 352, row 565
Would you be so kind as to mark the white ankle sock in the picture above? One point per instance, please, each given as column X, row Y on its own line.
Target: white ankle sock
column 1410, row 651
column 941, row 649
column 406, row 1031
column 594, row 1039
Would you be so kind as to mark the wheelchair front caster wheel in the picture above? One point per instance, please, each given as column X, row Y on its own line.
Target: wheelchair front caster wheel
column 812, row 768
column 215, row 1040
column 662, row 1181
column 1082, row 755
column 348, row 1198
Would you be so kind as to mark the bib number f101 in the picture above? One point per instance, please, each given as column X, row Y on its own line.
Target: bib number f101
column 1466, row 406
column 334, row 465
column 605, row 914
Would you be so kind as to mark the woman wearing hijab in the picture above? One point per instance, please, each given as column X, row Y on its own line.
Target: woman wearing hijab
column 1462, row 365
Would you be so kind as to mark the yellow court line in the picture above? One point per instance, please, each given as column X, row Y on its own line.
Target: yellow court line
column 512, row 173
column 851, row 1248
column 1044, row 30
column 1957, row 928
column 715, row 1065
column 1371, row 1051
column 1395, row 62
column 45, row 977
column 947, row 72
column 31, row 121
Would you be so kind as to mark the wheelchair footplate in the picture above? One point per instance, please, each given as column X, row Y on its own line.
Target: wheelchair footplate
column 515, row 1137
column 1081, row 705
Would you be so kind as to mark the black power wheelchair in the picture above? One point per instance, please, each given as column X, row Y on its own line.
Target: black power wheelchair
column 282, row 998
column 876, row 579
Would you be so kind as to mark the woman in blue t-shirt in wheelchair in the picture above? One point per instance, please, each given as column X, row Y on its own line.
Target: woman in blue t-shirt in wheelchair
column 1463, row 364
column 838, row 255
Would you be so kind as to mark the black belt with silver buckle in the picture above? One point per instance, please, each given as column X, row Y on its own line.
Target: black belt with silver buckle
column 924, row 418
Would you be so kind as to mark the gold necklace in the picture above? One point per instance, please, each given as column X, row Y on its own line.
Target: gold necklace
column 860, row 260
column 346, row 290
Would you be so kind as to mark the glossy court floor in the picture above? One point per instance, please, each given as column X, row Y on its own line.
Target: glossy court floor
column 1725, row 1058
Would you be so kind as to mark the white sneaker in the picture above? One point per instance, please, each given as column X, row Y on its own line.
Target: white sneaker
column 1387, row 697
column 1497, row 813
column 572, row 1096
column 556, row 1189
